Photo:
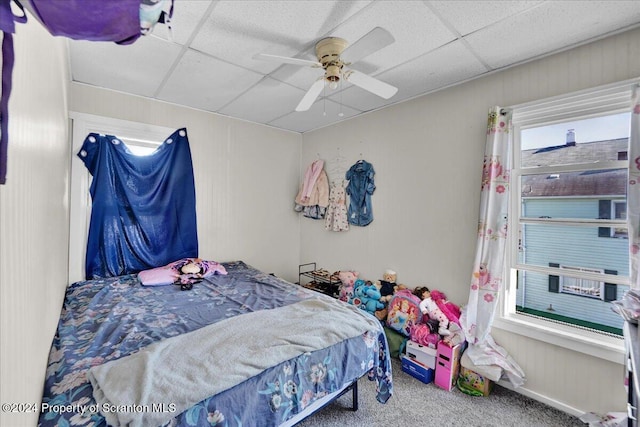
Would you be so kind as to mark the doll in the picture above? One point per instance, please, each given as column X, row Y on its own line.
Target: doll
column 429, row 307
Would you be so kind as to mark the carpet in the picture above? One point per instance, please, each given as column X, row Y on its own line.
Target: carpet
column 415, row 404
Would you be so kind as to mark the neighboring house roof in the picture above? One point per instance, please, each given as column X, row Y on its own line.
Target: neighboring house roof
column 610, row 182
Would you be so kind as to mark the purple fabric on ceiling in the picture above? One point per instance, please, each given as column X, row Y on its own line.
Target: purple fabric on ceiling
column 95, row 20
column 7, row 26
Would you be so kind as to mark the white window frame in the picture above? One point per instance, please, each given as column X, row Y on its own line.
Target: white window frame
column 614, row 230
column 79, row 198
column 604, row 100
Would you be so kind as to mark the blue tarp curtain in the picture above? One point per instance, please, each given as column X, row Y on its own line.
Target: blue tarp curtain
column 143, row 211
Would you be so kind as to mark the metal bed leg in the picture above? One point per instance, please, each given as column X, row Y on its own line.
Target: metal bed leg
column 354, row 391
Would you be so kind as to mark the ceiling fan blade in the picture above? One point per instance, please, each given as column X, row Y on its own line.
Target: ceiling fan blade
column 373, row 85
column 286, row 60
column 371, row 42
column 312, row 94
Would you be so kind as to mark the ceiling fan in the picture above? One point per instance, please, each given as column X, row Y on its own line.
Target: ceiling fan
column 330, row 52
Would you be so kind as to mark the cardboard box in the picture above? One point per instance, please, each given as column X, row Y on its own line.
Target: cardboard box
column 473, row 383
column 421, row 354
column 447, row 365
column 417, row 370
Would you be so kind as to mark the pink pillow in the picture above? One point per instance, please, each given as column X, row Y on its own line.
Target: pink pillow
column 158, row 276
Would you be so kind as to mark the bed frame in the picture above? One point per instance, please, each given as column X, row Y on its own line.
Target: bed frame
column 318, row 405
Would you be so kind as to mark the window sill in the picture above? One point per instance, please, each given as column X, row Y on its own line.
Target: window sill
column 594, row 344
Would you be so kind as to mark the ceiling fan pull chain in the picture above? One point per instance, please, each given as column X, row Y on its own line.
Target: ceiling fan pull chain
column 324, row 100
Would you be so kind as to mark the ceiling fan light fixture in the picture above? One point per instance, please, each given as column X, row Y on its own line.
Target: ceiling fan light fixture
column 332, row 75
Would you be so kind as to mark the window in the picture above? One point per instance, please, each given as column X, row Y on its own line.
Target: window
column 140, row 147
column 569, row 181
column 140, row 139
column 619, row 211
column 581, row 286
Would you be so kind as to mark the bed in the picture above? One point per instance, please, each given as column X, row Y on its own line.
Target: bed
column 241, row 349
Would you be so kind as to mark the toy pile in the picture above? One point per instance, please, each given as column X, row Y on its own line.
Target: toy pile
column 424, row 315
column 422, row 328
column 372, row 297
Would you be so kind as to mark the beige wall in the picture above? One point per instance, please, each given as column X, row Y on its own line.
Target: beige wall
column 427, row 154
column 34, row 218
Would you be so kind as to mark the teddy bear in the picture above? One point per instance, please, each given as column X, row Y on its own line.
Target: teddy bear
column 347, row 280
column 366, row 296
column 387, row 285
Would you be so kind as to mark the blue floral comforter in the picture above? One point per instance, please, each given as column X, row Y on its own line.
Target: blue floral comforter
column 107, row 319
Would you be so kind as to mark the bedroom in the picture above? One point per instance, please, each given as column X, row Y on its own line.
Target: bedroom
column 428, row 239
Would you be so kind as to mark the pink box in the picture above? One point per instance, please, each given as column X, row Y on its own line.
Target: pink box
column 447, row 365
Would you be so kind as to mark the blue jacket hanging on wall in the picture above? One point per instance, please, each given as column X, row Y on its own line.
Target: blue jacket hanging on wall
column 143, row 211
column 360, row 189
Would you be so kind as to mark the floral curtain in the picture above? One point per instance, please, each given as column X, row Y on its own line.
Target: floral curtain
column 633, row 192
column 488, row 270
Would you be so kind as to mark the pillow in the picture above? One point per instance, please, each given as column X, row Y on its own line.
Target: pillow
column 158, row 276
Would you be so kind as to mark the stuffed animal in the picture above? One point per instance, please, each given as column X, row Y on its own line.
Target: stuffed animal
column 381, row 314
column 387, row 285
column 366, row 296
column 347, row 280
column 389, row 276
column 373, row 294
column 386, row 291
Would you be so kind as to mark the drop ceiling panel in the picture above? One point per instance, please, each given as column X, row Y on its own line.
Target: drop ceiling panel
column 237, row 30
column 206, row 83
column 469, row 16
column 415, row 28
column 322, row 113
column 442, row 67
column 359, row 99
column 300, row 77
column 208, row 63
column 548, row 27
column 187, row 15
column 137, row 68
column 264, row 102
